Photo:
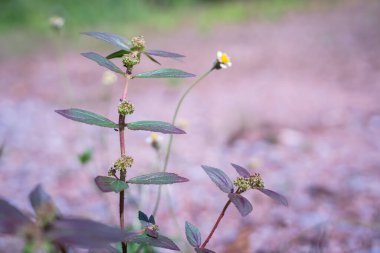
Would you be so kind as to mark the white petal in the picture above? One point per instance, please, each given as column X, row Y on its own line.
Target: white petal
column 219, row 54
column 229, row 64
column 223, row 66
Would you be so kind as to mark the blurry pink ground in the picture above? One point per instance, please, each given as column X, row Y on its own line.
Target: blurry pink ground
column 301, row 102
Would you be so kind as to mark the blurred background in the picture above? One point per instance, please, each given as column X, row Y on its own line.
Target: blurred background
column 300, row 105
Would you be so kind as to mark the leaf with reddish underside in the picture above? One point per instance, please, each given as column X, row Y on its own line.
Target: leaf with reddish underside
column 164, row 73
column 193, row 235
column 12, row 220
column 219, row 178
column 104, row 62
column 110, row 38
column 241, row 171
column 43, row 204
column 85, row 233
column 87, row 117
column 155, row 126
column 158, row 178
column 242, row 204
column 160, row 242
column 199, row 250
column 275, row 196
column 162, row 53
column 110, row 184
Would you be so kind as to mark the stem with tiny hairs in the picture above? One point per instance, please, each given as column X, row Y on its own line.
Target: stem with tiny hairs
column 122, row 153
column 168, row 150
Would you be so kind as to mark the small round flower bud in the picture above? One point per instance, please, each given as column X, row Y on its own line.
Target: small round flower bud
column 138, row 43
column 131, row 59
column 242, row 183
column 256, row 181
column 125, row 108
column 111, row 172
column 123, row 163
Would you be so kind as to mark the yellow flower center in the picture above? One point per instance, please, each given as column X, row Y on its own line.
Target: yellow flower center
column 224, row 59
column 154, row 137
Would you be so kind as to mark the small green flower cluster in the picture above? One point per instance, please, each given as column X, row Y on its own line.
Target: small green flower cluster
column 132, row 58
column 252, row 182
column 121, row 164
column 125, row 108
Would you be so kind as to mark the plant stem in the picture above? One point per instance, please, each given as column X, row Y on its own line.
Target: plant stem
column 216, row 224
column 169, row 147
column 123, row 172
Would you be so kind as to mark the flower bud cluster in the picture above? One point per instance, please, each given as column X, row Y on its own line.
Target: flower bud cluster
column 252, row 182
column 121, row 164
column 138, row 43
column 131, row 59
column 125, row 108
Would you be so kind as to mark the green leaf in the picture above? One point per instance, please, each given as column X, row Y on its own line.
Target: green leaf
column 162, row 53
column 110, row 184
column 152, row 59
column 111, row 38
column 160, row 242
column 193, row 235
column 164, row 73
column 117, row 54
column 155, row 126
column 87, row 117
column 86, row 156
column 158, row 178
column 104, row 62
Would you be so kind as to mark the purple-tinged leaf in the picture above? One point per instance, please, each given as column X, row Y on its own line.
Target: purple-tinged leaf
column 158, row 178
column 111, row 38
column 199, row 250
column 117, row 54
column 162, row 53
column 110, row 184
column 152, row 59
column 152, row 220
column 151, row 233
column 160, row 242
column 275, row 196
column 87, row 117
column 193, row 235
column 219, row 178
column 86, row 233
column 43, row 204
column 164, row 73
column 242, row 204
column 104, row 62
column 12, row 220
column 241, row 171
column 143, row 217
column 155, row 126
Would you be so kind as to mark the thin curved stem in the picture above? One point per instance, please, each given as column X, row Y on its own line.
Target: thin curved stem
column 122, row 173
column 169, row 147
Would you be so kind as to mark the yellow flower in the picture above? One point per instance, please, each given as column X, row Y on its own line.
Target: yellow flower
column 154, row 140
column 109, row 77
column 57, row 22
column 223, row 59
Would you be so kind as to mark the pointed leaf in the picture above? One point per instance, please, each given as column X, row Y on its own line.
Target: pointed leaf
column 219, row 178
column 164, row 73
column 199, row 250
column 87, row 117
column 151, row 220
column 158, row 178
column 193, row 235
column 242, row 204
column 104, row 62
column 152, row 59
column 143, row 216
column 275, row 196
column 43, row 205
column 86, row 233
column 111, row 38
column 117, row 54
column 12, row 220
column 110, row 184
column 155, row 126
column 241, row 171
column 160, row 242
column 162, row 53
